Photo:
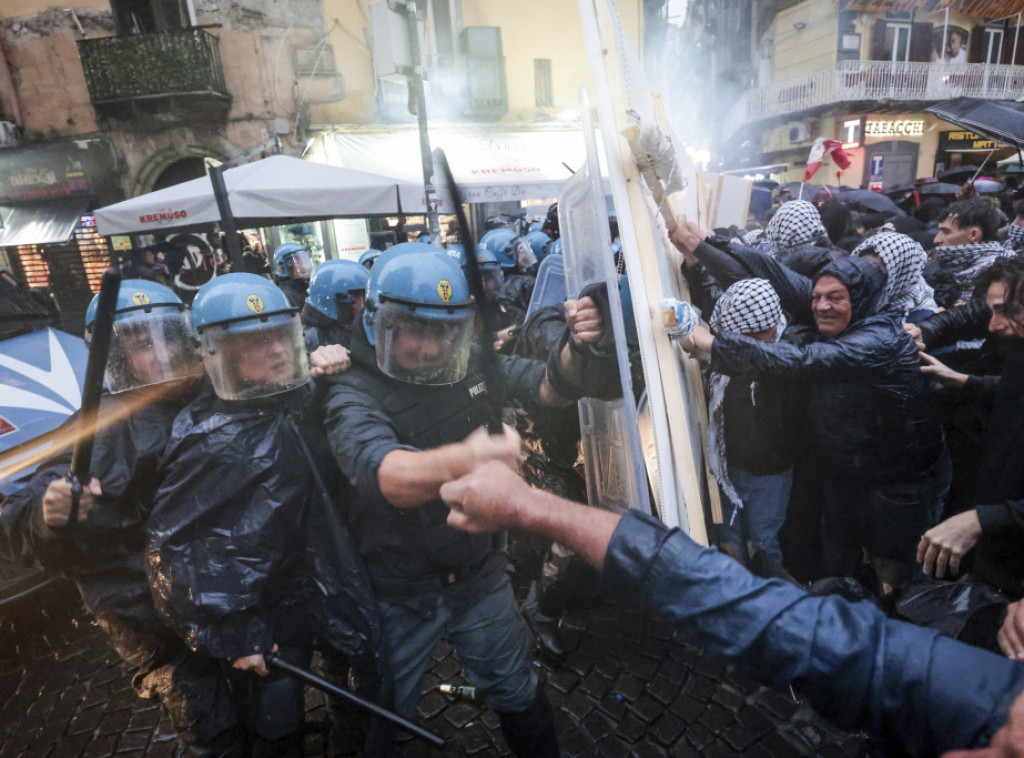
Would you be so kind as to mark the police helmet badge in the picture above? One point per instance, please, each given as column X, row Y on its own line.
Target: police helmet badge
column 444, row 290
column 141, row 298
column 255, row 303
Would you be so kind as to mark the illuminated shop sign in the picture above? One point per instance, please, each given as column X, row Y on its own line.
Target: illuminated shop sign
column 894, row 128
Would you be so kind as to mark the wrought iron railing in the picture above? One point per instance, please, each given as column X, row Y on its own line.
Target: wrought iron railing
column 850, row 81
column 141, row 66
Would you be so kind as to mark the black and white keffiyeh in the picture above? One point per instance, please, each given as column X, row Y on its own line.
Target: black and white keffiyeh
column 1014, row 239
column 748, row 306
column 904, row 260
column 794, row 223
column 965, row 262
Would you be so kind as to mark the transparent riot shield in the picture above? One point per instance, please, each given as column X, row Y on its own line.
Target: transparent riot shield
column 616, row 477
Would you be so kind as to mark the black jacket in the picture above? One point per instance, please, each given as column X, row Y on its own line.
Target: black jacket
column 246, row 548
column 999, row 492
column 103, row 554
column 871, row 408
column 295, row 290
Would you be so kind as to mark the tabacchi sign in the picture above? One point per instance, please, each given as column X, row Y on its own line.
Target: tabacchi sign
column 892, row 128
column 156, row 218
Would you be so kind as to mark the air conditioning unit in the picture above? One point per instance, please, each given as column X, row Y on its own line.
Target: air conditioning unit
column 9, row 134
column 798, row 133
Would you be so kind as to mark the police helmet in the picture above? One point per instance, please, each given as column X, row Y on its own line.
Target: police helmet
column 337, row 290
column 419, row 317
column 539, row 242
column 424, row 238
column 495, row 222
column 490, row 272
column 368, row 258
column 511, row 249
column 250, row 339
column 151, row 340
column 292, row 261
column 458, row 252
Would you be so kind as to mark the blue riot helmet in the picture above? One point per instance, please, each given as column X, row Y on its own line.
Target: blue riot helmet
column 490, row 272
column 419, row 318
column 336, row 291
column 151, row 340
column 250, row 339
column 424, row 238
column 539, row 242
column 292, row 261
column 458, row 252
column 537, row 226
column 404, row 248
column 495, row 222
column 367, row 259
column 512, row 250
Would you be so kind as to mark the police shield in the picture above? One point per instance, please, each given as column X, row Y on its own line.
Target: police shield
column 550, row 286
column 616, row 478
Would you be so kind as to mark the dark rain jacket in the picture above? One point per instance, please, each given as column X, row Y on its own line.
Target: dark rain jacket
column 319, row 330
column 245, row 549
column 912, row 688
column 295, row 290
column 515, row 295
column 871, row 408
column 103, row 555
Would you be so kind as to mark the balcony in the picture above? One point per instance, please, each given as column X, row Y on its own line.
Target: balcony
column 169, row 75
column 867, row 81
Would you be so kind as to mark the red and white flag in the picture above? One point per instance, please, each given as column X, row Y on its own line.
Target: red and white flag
column 819, row 150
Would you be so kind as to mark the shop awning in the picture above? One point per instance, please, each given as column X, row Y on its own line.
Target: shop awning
column 490, row 166
column 41, row 223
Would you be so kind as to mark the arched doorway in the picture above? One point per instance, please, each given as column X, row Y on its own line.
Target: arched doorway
column 180, row 171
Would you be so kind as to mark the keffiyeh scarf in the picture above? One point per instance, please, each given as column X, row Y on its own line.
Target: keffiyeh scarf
column 794, row 223
column 748, row 306
column 904, row 261
column 965, row 262
column 1014, row 239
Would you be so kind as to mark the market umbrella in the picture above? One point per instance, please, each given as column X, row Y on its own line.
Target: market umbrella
column 959, row 175
column 999, row 120
column 810, row 189
column 939, row 188
column 872, row 201
column 272, row 191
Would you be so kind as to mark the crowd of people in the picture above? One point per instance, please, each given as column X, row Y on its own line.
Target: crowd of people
column 300, row 465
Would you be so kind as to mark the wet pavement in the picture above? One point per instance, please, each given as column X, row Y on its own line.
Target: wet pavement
column 630, row 686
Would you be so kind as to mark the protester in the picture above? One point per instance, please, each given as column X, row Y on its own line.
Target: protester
column 995, row 525
column 903, row 260
column 152, row 373
column 967, row 243
column 248, row 554
column 912, row 689
column 405, row 419
column 871, row 409
column 750, row 434
column 798, row 239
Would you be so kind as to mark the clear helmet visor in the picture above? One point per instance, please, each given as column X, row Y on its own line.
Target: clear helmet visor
column 258, row 360
column 151, row 349
column 425, row 345
column 301, row 264
column 492, row 278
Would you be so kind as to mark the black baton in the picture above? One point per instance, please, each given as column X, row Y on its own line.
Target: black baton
column 304, row 675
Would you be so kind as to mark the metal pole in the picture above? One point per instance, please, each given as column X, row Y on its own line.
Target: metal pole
column 945, row 33
column 416, row 86
column 227, row 219
column 1016, row 34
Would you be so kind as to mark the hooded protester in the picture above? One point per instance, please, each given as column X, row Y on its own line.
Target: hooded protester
column 903, row 259
column 967, row 243
column 750, row 435
column 872, row 411
column 798, row 239
column 248, row 552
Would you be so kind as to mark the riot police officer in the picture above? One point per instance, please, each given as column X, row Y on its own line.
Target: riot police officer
column 293, row 264
column 248, row 553
column 517, row 260
column 368, row 258
column 334, row 303
column 152, row 372
column 403, row 420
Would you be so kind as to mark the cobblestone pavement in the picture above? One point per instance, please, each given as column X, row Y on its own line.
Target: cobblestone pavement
column 631, row 686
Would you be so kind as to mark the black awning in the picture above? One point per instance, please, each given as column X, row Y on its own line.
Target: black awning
column 41, row 223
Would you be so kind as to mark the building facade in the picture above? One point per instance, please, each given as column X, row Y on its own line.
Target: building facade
column 863, row 71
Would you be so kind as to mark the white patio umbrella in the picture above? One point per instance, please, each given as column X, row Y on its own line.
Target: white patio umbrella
column 271, row 191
